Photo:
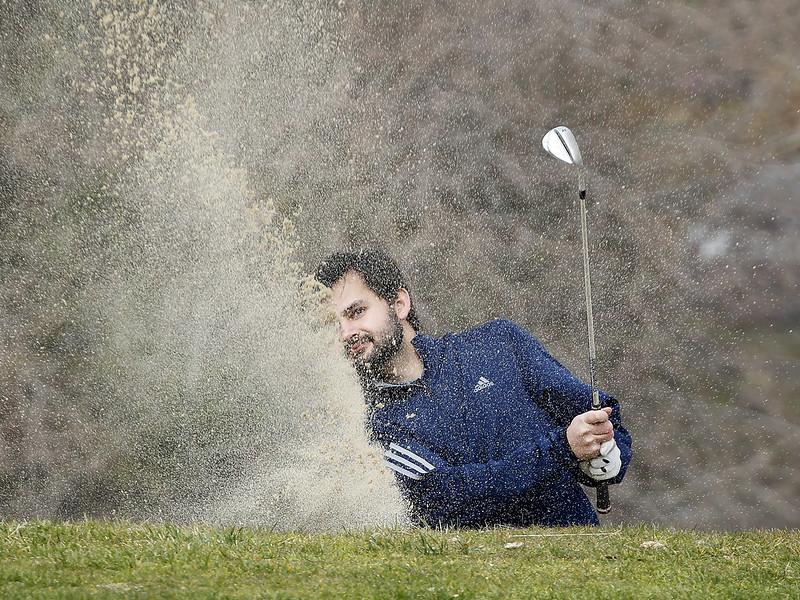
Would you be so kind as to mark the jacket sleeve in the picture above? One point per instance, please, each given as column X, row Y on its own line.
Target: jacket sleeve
column 562, row 394
column 465, row 494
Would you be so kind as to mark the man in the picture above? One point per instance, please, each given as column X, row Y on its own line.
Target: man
column 482, row 427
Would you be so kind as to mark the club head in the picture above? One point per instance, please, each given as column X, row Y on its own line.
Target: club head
column 560, row 142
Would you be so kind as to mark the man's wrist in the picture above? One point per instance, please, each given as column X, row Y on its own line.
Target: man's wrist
column 561, row 449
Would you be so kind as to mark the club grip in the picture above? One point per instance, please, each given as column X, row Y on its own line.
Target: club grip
column 603, row 499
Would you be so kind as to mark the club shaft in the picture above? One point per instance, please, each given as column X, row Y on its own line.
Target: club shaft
column 587, row 287
column 603, row 500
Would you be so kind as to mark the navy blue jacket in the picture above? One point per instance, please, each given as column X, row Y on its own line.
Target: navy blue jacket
column 490, row 415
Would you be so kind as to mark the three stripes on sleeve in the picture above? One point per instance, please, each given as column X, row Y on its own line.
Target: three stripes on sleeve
column 407, row 463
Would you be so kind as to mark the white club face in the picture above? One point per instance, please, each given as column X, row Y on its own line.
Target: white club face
column 560, row 142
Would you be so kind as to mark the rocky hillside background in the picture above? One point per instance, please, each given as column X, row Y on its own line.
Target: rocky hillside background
column 417, row 126
column 687, row 116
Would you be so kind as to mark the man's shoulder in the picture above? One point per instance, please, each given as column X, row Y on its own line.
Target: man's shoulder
column 495, row 334
column 496, row 328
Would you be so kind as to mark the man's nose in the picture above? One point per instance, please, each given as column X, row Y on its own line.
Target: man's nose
column 346, row 331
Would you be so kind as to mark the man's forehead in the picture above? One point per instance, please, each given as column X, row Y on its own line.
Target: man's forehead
column 349, row 282
column 351, row 288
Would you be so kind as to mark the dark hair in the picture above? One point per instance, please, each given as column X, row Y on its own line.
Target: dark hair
column 380, row 273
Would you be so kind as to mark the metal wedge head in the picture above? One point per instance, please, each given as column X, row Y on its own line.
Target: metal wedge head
column 560, row 142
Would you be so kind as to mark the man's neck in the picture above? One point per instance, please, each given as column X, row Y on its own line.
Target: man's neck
column 407, row 365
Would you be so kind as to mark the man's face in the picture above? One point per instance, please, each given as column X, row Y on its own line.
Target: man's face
column 368, row 326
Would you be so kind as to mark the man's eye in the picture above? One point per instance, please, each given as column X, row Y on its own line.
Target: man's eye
column 358, row 311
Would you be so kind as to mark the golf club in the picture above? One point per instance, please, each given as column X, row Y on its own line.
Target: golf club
column 560, row 142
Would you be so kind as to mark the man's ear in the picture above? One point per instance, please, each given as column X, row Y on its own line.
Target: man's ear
column 402, row 304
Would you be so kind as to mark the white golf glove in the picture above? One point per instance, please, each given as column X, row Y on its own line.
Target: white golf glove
column 605, row 466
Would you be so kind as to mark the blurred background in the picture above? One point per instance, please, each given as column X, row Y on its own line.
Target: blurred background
column 169, row 174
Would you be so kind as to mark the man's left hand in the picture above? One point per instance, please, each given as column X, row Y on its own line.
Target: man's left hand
column 606, row 466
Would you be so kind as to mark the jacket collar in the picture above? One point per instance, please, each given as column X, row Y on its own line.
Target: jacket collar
column 429, row 352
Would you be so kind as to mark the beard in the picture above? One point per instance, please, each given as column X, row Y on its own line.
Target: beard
column 385, row 346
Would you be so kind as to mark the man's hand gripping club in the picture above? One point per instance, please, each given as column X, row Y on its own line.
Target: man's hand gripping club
column 591, row 438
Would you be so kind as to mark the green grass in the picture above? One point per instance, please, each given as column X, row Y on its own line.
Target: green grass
column 113, row 560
